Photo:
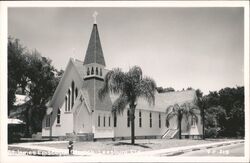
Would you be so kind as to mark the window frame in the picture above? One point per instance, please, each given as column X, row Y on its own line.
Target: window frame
column 58, row 116
column 69, row 100
column 66, row 103
column 99, row 121
column 109, row 121
column 167, row 123
column 159, row 120
column 72, row 94
column 140, row 119
column 115, row 119
column 150, row 120
column 193, row 122
column 104, row 121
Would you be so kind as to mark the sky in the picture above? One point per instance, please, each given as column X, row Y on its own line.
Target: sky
column 202, row 48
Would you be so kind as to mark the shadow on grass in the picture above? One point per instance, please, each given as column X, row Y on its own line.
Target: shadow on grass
column 124, row 143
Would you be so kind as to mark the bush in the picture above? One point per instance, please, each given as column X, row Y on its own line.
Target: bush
column 211, row 132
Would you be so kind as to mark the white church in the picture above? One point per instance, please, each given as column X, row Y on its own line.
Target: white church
column 76, row 112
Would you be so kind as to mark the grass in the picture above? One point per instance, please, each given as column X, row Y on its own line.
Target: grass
column 115, row 147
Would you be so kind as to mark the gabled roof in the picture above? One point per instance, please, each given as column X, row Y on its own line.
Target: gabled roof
column 163, row 100
column 79, row 67
column 72, row 63
column 94, row 52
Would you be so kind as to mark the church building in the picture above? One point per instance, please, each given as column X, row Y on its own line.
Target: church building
column 75, row 111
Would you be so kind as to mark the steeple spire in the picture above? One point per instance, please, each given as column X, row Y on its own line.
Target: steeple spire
column 94, row 52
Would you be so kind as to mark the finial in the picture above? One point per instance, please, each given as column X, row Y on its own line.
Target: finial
column 94, row 16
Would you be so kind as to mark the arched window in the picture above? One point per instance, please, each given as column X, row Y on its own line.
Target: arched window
column 88, row 71
column 73, row 93
column 167, row 123
column 128, row 118
column 66, row 103
column 150, row 119
column 109, row 121
column 92, row 71
column 159, row 120
column 100, row 71
column 96, row 70
column 58, row 116
column 115, row 119
column 76, row 92
column 69, row 100
column 193, row 121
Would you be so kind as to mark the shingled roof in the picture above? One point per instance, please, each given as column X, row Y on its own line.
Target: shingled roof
column 94, row 52
column 79, row 67
column 163, row 100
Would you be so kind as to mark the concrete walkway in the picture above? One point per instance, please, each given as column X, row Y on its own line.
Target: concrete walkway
column 161, row 152
column 178, row 150
column 50, row 150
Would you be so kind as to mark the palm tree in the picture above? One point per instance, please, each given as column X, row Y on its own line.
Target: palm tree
column 201, row 102
column 129, row 86
column 185, row 110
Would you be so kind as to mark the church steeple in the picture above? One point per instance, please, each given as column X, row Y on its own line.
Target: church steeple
column 94, row 52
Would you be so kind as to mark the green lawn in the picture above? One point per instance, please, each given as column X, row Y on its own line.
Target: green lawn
column 115, row 147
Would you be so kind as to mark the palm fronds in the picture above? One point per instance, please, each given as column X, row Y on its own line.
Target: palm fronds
column 113, row 83
column 120, row 104
column 146, row 89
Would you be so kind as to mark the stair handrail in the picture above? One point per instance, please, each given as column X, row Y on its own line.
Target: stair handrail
column 165, row 133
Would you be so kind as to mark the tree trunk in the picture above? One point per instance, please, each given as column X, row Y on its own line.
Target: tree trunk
column 179, row 125
column 132, row 119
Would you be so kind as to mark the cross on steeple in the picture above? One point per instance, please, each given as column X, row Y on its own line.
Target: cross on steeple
column 94, row 16
column 94, row 52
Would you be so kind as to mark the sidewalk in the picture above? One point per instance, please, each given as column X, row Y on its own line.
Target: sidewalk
column 160, row 152
column 180, row 150
column 31, row 147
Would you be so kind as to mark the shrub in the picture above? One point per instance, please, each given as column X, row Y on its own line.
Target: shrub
column 211, row 132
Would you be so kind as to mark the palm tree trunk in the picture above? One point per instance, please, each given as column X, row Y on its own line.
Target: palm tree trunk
column 179, row 125
column 132, row 119
column 179, row 129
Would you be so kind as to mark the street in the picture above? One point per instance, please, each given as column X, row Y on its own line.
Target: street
column 230, row 150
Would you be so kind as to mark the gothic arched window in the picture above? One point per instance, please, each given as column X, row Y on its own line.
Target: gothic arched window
column 66, row 103
column 115, row 119
column 96, row 70
column 69, row 100
column 73, row 93
column 88, row 71
column 76, row 92
column 167, row 123
column 100, row 72
column 58, row 116
column 92, row 71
